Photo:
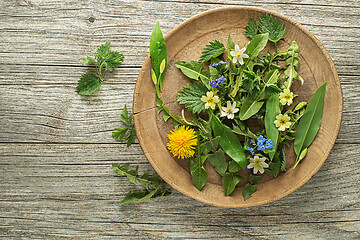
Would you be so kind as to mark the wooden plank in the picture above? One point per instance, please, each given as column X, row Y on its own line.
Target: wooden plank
column 66, row 196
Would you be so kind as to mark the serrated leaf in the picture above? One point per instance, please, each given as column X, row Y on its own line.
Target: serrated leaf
column 197, row 170
column 137, row 196
column 163, row 193
column 144, row 179
column 219, row 162
column 120, row 133
column 112, row 60
column 191, row 95
column 248, row 191
column 87, row 60
column 310, row 122
column 251, row 29
column 282, row 156
column 124, row 116
column 191, row 69
column 88, row 84
column 104, row 49
column 214, row 49
column 131, row 138
column 229, row 181
column 272, row 25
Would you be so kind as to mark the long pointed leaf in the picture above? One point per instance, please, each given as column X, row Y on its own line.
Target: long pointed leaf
column 272, row 110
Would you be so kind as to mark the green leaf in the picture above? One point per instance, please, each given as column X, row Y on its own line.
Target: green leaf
column 254, row 178
column 166, row 116
column 131, row 138
column 234, row 167
column 88, row 84
column 300, row 106
column 124, row 116
column 219, row 162
column 251, row 83
column 230, row 45
column 213, row 50
column 144, row 179
column 191, row 69
column 272, row 25
column 272, row 110
column 310, row 122
column 229, row 142
column 197, row 170
column 248, row 191
column 120, row 133
column 113, row 60
column 191, row 95
column 158, row 52
column 292, row 61
column 230, row 180
column 256, row 45
column 104, row 49
column 87, row 60
column 251, row 29
column 249, row 108
column 137, row 196
column 282, row 156
column 210, row 145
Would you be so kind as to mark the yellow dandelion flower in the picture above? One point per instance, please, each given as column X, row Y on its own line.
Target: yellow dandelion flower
column 282, row 122
column 182, row 142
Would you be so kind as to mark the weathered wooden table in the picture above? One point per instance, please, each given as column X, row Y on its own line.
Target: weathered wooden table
column 56, row 148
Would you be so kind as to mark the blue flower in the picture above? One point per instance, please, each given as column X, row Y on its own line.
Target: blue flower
column 269, row 144
column 251, row 150
column 212, row 64
column 252, row 141
column 221, row 62
column 214, row 84
column 221, row 79
column 260, row 147
column 261, row 139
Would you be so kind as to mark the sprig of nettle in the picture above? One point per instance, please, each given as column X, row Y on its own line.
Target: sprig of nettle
column 104, row 61
column 229, row 96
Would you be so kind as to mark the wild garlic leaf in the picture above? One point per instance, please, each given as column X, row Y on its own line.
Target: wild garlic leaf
column 229, row 181
column 219, row 162
column 229, row 142
column 248, row 191
column 272, row 110
column 191, row 69
column 88, row 84
column 272, row 25
column 310, row 122
column 191, row 95
column 251, row 29
column 249, row 108
column 234, row 167
column 214, row 49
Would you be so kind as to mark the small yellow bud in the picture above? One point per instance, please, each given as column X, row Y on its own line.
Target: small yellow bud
column 162, row 66
column 153, row 76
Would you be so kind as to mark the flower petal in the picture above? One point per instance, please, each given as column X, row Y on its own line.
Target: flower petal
column 237, row 49
column 234, row 60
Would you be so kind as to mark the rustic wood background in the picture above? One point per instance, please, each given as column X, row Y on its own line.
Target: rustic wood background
column 56, row 148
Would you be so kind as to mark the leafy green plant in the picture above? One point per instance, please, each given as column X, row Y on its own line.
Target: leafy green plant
column 104, row 61
column 128, row 133
column 154, row 186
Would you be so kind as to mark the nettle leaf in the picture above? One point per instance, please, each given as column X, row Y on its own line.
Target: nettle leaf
column 251, row 83
column 310, row 122
column 248, row 191
column 219, row 162
column 230, row 180
column 88, row 84
column 113, row 60
column 88, row 60
column 191, row 69
column 251, row 29
column 104, row 49
column 292, row 61
column 197, row 170
column 213, row 50
column 272, row 25
column 191, row 95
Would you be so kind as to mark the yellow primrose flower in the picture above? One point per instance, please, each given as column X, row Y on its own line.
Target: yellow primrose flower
column 282, row 122
column 238, row 55
column 286, row 97
column 182, row 142
column 258, row 164
column 210, row 100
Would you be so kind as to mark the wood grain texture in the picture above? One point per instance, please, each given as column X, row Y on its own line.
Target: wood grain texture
column 56, row 149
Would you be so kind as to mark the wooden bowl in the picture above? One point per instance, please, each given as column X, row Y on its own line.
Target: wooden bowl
column 186, row 43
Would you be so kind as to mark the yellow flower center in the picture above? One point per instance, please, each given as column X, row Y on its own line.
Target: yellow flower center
column 229, row 110
column 282, row 121
column 238, row 55
column 287, row 97
column 181, row 142
column 210, row 100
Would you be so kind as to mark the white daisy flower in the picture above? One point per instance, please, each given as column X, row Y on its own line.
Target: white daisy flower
column 238, row 55
column 258, row 164
column 210, row 100
column 229, row 110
